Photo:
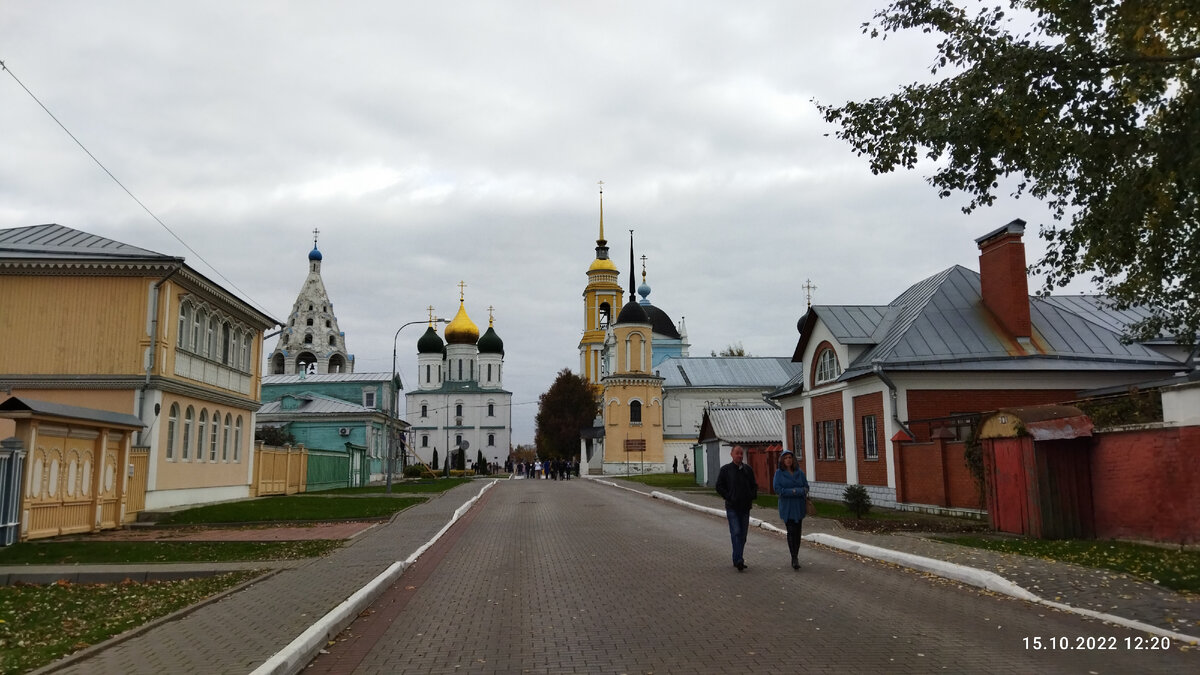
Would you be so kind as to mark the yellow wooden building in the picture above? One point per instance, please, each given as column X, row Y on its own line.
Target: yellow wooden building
column 90, row 322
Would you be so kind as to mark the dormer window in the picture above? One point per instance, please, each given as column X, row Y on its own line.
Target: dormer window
column 827, row 366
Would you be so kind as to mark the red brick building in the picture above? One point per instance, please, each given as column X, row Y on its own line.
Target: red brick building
column 949, row 347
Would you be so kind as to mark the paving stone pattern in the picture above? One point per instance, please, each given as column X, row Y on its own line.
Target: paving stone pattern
column 579, row 577
column 244, row 629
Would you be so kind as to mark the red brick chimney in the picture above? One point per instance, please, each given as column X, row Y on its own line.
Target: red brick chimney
column 1002, row 277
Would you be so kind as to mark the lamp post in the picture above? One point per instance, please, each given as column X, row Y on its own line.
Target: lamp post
column 391, row 459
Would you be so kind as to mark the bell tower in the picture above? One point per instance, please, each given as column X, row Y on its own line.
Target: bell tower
column 601, row 301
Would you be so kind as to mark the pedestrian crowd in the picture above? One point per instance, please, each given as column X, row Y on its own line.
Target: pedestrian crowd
column 551, row 469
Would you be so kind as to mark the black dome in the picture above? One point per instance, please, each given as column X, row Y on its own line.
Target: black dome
column 633, row 312
column 430, row 342
column 490, row 343
column 661, row 322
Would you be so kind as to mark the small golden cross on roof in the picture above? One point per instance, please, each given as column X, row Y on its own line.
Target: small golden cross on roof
column 461, row 285
column 430, row 308
column 491, row 314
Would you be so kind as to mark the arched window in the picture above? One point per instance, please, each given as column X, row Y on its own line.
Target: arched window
column 187, row 434
column 491, row 440
column 635, row 412
column 424, row 441
column 172, row 423
column 198, row 324
column 328, row 323
column 247, row 337
column 201, row 435
column 827, row 366
column 605, row 313
column 225, row 438
column 212, row 437
column 458, row 410
column 332, row 341
column 491, row 410
column 185, row 324
column 226, row 342
column 237, row 440
column 424, row 410
column 428, row 375
column 309, row 322
column 308, row 338
column 214, row 351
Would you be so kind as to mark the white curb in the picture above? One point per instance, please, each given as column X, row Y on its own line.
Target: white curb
column 297, row 654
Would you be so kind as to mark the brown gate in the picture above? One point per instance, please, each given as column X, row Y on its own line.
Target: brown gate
column 139, row 471
column 1008, row 507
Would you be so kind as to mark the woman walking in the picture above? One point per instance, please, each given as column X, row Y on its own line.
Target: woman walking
column 791, row 486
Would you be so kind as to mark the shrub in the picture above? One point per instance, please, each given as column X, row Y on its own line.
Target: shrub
column 857, row 500
column 413, row 471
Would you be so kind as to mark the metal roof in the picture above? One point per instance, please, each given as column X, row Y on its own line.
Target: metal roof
column 316, row 404
column 28, row 405
column 752, row 372
column 326, row 377
column 57, row 241
column 1099, row 309
column 941, row 323
column 745, row 424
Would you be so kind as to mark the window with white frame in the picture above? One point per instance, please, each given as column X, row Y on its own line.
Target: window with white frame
column 870, row 443
column 201, row 435
column 827, row 366
column 369, row 399
column 635, row 412
column 213, row 435
column 829, row 439
column 424, row 441
column 491, row 410
column 798, row 441
column 186, row 446
column 237, row 440
column 225, row 437
column 491, row 440
column 172, row 426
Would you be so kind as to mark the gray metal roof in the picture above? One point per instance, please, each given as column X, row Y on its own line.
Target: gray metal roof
column 940, row 323
column 326, row 377
column 751, row 372
column 1100, row 310
column 317, row 404
column 745, row 424
column 57, row 241
column 28, row 405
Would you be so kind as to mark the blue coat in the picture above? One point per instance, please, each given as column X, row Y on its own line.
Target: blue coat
column 792, row 489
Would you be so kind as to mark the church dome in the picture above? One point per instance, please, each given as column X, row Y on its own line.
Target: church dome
column 490, row 342
column 429, row 343
column 314, row 254
column 462, row 331
column 633, row 312
column 661, row 322
column 603, row 264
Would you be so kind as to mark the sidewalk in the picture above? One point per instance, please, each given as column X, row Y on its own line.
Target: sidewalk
column 1095, row 590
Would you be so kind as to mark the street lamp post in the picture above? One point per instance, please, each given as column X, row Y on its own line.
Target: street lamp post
column 391, row 459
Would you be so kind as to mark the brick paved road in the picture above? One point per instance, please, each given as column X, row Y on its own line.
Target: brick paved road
column 563, row 577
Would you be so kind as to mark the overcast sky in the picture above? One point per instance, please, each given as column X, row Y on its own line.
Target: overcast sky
column 439, row 142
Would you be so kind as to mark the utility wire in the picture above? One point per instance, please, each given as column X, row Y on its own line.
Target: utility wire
column 132, row 196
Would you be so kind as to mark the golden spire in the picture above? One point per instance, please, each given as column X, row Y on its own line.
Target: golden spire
column 643, row 269
column 601, row 239
column 491, row 316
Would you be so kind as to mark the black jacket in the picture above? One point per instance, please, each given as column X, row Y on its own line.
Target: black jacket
column 737, row 485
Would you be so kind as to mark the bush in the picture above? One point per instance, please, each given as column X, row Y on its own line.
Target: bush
column 857, row 500
column 418, row 471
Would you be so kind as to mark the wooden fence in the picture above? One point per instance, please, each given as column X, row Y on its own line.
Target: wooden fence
column 279, row 471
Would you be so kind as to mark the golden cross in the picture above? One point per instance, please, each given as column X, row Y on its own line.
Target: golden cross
column 808, row 289
column 461, row 286
column 430, row 308
column 316, row 231
column 491, row 314
column 643, row 269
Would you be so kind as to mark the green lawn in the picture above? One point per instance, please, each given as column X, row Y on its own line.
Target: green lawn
column 40, row 624
column 407, row 486
column 1174, row 569
column 102, row 552
column 292, row 508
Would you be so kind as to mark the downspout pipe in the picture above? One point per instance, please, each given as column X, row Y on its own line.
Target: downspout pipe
column 153, row 348
column 877, row 368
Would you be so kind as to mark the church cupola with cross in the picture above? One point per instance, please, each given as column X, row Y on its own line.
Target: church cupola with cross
column 311, row 341
column 601, row 301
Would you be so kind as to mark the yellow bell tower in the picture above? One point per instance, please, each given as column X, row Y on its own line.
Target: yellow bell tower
column 601, row 299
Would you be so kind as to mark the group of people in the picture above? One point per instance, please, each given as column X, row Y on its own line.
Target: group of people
column 551, row 469
column 736, row 484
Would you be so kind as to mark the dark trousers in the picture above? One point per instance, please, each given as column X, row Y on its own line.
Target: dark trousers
column 739, row 525
column 793, row 536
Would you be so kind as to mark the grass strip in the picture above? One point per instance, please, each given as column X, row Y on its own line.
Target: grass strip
column 108, row 552
column 402, row 486
column 292, row 508
column 40, row 624
column 1171, row 568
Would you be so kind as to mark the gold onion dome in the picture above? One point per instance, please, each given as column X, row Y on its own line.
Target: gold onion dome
column 461, row 330
column 603, row 264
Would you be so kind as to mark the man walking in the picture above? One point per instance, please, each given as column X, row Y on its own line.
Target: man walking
column 736, row 484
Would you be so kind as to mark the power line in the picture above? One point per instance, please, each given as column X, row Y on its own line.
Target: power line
column 132, row 196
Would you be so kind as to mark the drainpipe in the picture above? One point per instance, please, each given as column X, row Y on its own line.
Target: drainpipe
column 153, row 349
column 877, row 368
